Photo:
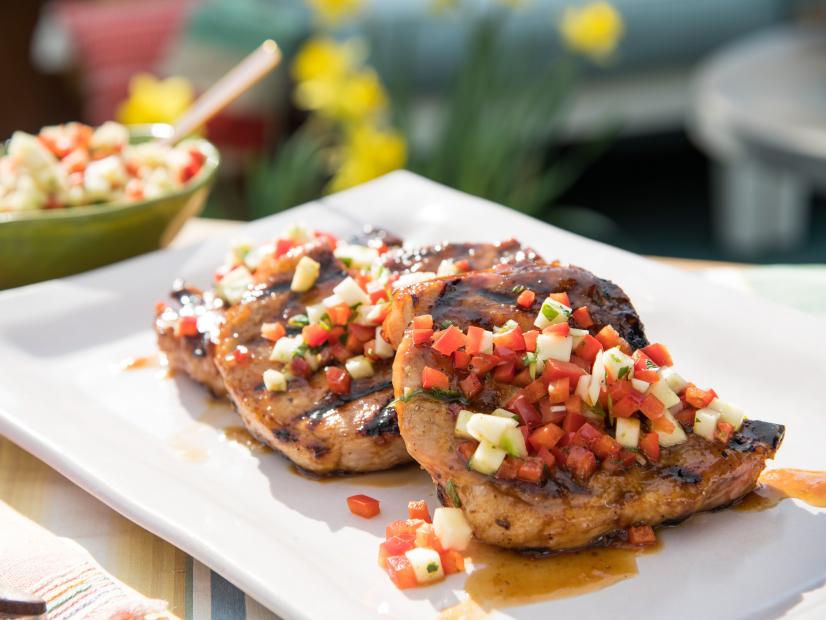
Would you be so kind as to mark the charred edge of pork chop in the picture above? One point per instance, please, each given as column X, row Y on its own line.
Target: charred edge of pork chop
column 316, row 429
column 191, row 355
column 479, row 255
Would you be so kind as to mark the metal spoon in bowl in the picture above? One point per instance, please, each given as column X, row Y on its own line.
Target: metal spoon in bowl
column 16, row 604
column 226, row 90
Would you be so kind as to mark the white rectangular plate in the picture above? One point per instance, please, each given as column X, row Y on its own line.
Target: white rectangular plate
column 153, row 449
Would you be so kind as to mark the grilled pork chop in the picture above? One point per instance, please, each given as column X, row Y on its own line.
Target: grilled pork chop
column 318, row 429
column 572, row 484
column 192, row 351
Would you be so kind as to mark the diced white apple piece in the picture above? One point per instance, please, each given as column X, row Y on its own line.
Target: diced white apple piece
column 504, row 413
column 675, row 437
column 426, row 563
column 274, row 380
column 357, row 256
column 552, row 312
column 513, row 442
column 489, row 428
column 413, row 278
column 487, row 458
column 673, row 379
column 554, row 347
column 306, row 273
column 628, row 432
column 705, row 423
column 315, row 312
column 350, row 292
column 577, row 335
column 359, row 367
column 297, row 232
column 486, row 345
column 285, row 348
column 451, row 528
column 640, row 385
column 597, row 378
column 728, row 413
column 447, row 268
column 383, row 348
column 332, row 301
column 664, row 394
column 362, row 315
column 583, row 386
column 460, row 430
column 618, row 364
column 233, row 285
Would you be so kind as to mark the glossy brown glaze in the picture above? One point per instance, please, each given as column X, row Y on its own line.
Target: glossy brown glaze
column 562, row 513
column 478, row 255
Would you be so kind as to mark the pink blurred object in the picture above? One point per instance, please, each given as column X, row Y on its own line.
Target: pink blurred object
column 115, row 40
column 63, row 573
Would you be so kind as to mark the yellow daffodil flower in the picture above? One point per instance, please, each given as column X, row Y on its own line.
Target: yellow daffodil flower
column 323, row 58
column 155, row 101
column 333, row 12
column 594, row 29
column 368, row 152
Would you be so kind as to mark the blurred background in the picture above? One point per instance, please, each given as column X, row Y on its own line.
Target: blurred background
column 688, row 129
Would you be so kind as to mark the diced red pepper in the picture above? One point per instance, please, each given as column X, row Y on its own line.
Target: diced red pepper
column 282, row 246
column 530, row 340
column 526, row 298
column 588, row 434
column 534, row 391
column 628, row 405
column 557, row 329
column 399, row 569
column 556, row 417
column 422, row 336
column 662, row 425
column 460, row 360
column 426, row 537
column 403, row 528
column 582, row 317
column 572, row 422
column 559, row 390
column 187, row 326
column 531, row 470
column 452, row 562
column 608, row 336
column 588, row 348
column 418, row 510
column 522, row 378
column 396, row 545
column 338, row 380
column 240, row 354
column 527, row 412
column 505, row 354
column 642, row 535
column 462, row 265
column 574, row 404
column 300, row 367
column 466, row 449
column 546, row 436
column 504, row 373
column 363, row 506
column 698, row 398
column 423, row 321
column 606, row 447
column 547, row 457
column 724, row 432
column 619, row 390
column 273, row 331
column 686, row 417
column 652, row 407
column 340, row 314
column 644, row 368
column 449, row 341
column 433, row 379
column 512, row 339
column 554, row 369
column 650, row 446
column 475, row 336
column 378, row 295
column 509, row 468
column 314, row 335
column 659, row 354
column 576, row 360
column 561, row 298
column 470, row 386
column 581, row 462
column 482, row 364
column 362, row 332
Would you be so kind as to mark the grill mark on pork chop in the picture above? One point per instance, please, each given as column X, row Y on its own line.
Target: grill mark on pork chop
column 332, row 401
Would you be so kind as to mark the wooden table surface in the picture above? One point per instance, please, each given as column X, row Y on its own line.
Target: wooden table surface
column 145, row 562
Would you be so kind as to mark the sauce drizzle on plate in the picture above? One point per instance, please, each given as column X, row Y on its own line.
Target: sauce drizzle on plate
column 779, row 484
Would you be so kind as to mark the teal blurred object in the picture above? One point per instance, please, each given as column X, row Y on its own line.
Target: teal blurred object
column 40, row 245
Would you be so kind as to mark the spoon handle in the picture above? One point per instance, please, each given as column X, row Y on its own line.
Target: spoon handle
column 226, row 90
column 14, row 604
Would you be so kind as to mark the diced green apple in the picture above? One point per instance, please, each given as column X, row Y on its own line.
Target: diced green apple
column 705, row 423
column 359, row 367
column 233, row 285
column 554, row 347
column 487, row 458
column 628, row 432
column 597, row 378
column 274, row 380
column 552, row 312
column 664, row 394
column 461, row 424
column 350, row 292
column 426, row 563
column 674, row 380
column 306, row 273
column 513, row 442
column 383, row 348
column 489, row 428
column 451, row 528
column 728, row 413
column 675, row 437
column 284, row 349
column 504, row 413
column 640, row 385
column 618, row 364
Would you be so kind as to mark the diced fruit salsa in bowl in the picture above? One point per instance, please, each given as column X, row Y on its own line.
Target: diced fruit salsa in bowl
column 76, row 165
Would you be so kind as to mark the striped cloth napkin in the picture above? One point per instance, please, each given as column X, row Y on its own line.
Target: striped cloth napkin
column 63, row 573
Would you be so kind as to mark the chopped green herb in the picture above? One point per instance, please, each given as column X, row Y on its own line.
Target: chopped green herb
column 448, row 396
column 298, row 320
column 453, row 494
column 348, row 262
column 446, row 323
column 623, row 371
column 549, row 312
column 301, row 349
column 519, row 288
column 326, row 322
column 432, row 567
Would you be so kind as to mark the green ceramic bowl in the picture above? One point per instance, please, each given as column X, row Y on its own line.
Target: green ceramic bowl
column 40, row 245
